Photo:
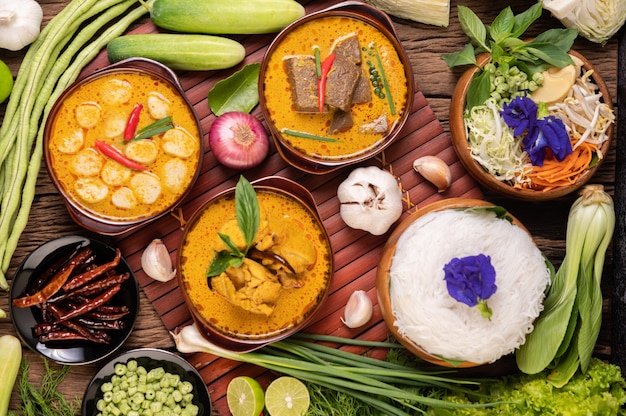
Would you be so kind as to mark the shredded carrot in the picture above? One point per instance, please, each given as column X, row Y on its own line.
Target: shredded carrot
column 554, row 173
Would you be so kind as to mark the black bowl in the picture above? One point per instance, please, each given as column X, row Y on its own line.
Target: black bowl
column 25, row 319
column 149, row 358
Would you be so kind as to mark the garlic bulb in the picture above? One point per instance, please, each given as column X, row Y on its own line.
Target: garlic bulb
column 359, row 310
column 434, row 170
column 20, row 23
column 156, row 261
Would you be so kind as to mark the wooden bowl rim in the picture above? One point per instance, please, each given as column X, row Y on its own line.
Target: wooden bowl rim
column 384, row 265
column 459, row 138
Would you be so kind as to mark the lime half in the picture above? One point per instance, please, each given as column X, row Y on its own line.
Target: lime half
column 6, row 81
column 245, row 396
column 287, row 396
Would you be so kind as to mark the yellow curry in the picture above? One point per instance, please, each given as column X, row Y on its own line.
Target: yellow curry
column 155, row 171
column 292, row 306
column 291, row 80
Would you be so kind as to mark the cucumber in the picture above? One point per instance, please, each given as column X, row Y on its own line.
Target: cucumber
column 179, row 51
column 245, row 17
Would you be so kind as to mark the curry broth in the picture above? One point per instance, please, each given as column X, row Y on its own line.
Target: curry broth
column 98, row 91
column 293, row 306
column 277, row 91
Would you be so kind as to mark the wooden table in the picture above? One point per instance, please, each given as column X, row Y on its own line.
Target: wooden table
column 424, row 45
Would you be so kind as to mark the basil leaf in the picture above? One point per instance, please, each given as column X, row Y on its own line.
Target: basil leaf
column 525, row 19
column 220, row 263
column 561, row 38
column 502, row 25
column 239, row 92
column 247, row 209
column 550, row 54
column 511, row 43
column 473, row 27
column 478, row 90
column 233, row 249
column 467, row 56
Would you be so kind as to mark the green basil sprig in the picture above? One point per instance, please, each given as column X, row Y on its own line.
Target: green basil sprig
column 502, row 40
column 248, row 218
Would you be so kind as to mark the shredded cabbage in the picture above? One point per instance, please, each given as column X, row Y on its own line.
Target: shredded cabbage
column 493, row 145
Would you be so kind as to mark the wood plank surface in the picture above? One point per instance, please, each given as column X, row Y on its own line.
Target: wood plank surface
column 356, row 252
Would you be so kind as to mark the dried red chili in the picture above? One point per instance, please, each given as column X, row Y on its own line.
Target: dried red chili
column 91, row 274
column 90, row 305
column 133, row 121
column 321, row 82
column 114, row 153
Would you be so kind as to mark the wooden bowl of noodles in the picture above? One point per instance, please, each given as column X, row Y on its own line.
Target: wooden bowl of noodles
column 283, row 281
column 527, row 182
column 358, row 118
column 422, row 311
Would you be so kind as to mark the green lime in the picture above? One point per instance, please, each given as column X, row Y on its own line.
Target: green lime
column 245, row 396
column 287, row 396
column 6, row 81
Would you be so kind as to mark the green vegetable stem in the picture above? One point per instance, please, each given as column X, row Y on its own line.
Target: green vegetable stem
column 567, row 329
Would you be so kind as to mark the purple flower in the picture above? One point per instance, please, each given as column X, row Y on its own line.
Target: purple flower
column 471, row 280
column 549, row 133
column 520, row 114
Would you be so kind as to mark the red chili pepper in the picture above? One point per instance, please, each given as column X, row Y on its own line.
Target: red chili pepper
column 115, row 154
column 133, row 121
column 321, row 82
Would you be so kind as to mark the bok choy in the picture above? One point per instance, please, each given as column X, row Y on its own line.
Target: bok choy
column 567, row 329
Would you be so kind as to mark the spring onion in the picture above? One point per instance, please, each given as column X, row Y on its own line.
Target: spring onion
column 375, row 382
column 64, row 47
column 566, row 331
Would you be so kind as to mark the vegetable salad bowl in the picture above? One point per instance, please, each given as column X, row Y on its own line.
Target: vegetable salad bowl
column 481, row 168
column 353, row 106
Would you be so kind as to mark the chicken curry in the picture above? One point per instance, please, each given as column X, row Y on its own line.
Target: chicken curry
column 281, row 280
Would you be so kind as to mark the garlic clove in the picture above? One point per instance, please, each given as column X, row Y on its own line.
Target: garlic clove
column 359, row 310
column 434, row 170
column 156, row 261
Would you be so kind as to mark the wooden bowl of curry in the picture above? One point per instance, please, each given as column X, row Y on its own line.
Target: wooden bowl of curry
column 350, row 56
column 123, row 146
column 281, row 283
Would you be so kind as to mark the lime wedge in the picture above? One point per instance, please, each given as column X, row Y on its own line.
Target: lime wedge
column 245, row 396
column 287, row 396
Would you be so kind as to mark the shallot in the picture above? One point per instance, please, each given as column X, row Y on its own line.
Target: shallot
column 238, row 140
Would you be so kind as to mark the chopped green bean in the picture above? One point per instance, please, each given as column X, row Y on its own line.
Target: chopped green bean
column 135, row 390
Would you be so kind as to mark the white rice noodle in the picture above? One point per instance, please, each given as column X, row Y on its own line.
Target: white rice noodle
column 424, row 311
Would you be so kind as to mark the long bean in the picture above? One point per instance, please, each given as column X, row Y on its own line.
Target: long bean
column 39, row 83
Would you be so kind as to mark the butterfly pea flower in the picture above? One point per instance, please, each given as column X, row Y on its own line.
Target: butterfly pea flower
column 549, row 133
column 543, row 132
column 471, row 280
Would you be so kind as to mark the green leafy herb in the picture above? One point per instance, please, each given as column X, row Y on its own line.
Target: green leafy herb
column 501, row 40
column 45, row 400
column 158, row 127
column 239, row 92
column 248, row 218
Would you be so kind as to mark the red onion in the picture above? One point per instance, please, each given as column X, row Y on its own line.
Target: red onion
column 238, row 140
